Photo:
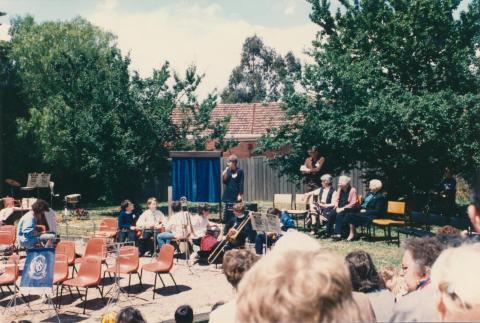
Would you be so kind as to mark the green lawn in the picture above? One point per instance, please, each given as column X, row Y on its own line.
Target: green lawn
column 382, row 253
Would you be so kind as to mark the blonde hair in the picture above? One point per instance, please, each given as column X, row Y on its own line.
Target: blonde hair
column 151, row 200
column 376, row 185
column 455, row 276
column 344, row 179
column 393, row 281
column 297, row 286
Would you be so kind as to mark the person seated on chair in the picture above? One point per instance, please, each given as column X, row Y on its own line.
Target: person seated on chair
column 126, row 220
column 286, row 223
column 201, row 223
column 27, row 233
column 177, row 227
column 374, row 205
column 148, row 222
column 324, row 210
column 8, row 209
column 201, row 226
column 233, row 224
column 346, row 201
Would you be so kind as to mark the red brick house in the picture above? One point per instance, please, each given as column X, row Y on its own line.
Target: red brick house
column 248, row 122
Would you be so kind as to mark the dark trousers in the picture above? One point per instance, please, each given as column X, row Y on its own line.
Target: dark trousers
column 260, row 241
column 227, row 211
column 359, row 219
column 127, row 235
column 146, row 243
column 331, row 216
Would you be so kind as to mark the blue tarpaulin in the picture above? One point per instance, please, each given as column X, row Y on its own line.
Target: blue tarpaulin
column 198, row 179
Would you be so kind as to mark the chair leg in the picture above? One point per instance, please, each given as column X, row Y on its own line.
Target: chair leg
column 101, row 294
column 140, row 278
column 9, row 289
column 159, row 276
column 1, row 289
column 176, row 286
column 78, row 291
column 129, row 280
column 60, row 299
column 70, row 290
column 154, row 285
column 85, row 302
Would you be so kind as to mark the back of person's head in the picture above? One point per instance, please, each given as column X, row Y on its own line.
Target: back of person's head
column 125, row 204
column 176, row 206
column 40, row 206
column 273, row 211
column 184, row 314
column 363, row 274
column 130, row 315
column 455, row 278
column 449, row 236
column 297, row 286
column 236, row 263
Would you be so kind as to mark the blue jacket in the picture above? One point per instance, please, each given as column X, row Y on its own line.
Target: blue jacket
column 287, row 221
column 27, row 231
column 125, row 220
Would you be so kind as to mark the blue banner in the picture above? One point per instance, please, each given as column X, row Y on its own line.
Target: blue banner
column 39, row 268
column 198, row 179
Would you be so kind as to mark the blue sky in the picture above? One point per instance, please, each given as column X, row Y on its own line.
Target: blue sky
column 207, row 33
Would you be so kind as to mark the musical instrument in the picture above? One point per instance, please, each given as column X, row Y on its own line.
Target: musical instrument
column 231, row 236
column 13, row 182
column 186, row 244
column 72, row 198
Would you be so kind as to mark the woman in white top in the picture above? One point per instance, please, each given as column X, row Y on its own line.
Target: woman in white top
column 148, row 222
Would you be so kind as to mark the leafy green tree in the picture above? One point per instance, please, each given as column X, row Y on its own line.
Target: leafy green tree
column 394, row 90
column 96, row 127
column 262, row 74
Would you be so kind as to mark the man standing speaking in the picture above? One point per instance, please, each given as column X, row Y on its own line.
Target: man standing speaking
column 233, row 178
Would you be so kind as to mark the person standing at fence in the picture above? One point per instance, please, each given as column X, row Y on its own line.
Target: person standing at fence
column 312, row 168
column 233, row 178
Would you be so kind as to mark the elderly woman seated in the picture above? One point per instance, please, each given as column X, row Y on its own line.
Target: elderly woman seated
column 346, row 201
column 373, row 206
column 324, row 210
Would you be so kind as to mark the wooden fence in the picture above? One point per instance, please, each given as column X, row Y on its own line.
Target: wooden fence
column 261, row 182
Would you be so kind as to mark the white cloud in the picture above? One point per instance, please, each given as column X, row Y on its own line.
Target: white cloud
column 186, row 35
column 290, row 7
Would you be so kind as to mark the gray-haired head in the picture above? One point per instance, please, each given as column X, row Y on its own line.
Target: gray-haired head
column 327, row 178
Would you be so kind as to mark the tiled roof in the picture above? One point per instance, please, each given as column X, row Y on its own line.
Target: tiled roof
column 245, row 118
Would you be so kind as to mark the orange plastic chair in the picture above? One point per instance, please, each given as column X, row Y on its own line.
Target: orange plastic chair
column 108, row 228
column 393, row 208
column 12, row 271
column 8, row 236
column 96, row 247
column 89, row 275
column 127, row 264
column 60, row 273
column 162, row 265
column 67, row 248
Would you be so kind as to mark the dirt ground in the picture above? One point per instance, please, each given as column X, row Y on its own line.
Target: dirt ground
column 201, row 287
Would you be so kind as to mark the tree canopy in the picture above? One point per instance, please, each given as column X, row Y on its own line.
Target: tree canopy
column 263, row 75
column 394, row 89
column 91, row 122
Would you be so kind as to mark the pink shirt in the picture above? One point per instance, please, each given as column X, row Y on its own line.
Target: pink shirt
column 352, row 198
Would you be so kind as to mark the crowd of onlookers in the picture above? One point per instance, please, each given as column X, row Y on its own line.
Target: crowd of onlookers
column 299, row 281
